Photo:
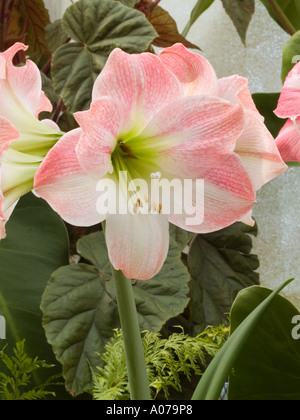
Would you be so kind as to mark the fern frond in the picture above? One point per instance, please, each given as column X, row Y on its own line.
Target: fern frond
column 14, row 386
column 167, row 360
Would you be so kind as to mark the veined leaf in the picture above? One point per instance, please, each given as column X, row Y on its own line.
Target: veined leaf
column 167, row 30
column 55, row 35
column 96, row 27
column 220, row 264
column 30, row 17
column 129, row 3
column 240, row 12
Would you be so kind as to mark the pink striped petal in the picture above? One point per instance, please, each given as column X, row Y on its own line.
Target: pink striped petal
column 137, row 244
column 228, row 196
column 140, row 82
column 193, row 134
column 288, row 141
column 289, row 101
column 101, row 126
column 8, row 133
column 235, row 90
column 44, row 105
column 62, row 182
column 258, row 151
column 20, row 85
column 194, row 72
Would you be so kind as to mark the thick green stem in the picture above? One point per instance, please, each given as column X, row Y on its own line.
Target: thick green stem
column 135, row 359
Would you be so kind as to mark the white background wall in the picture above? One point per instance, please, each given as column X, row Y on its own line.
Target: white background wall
column 277, row 210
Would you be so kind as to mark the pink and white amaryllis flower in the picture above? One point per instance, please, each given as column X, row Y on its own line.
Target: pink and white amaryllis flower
column 288, row 140
column 24, row 140
column 166, row 115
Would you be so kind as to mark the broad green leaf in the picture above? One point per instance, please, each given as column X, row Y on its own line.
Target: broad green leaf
column 220, row 264
column 48, row 88
column 30, row 17
column 128, row 3
column 285, row 12
column 240, row 12
column 182, row 237
column 269, row 366
column 96, row 27
column 80, row 310
column 266, row 104
column 290, row 55
column 55, row 35
column 197, row 11
column 36, row 245
column 167, row 30
column 212, row 382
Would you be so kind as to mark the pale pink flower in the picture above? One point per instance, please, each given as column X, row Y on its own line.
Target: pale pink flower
column 288, row 140
column 24, row 140
column 168, row 115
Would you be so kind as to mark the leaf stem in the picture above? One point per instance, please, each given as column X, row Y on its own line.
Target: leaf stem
column 284, row 20
column 135, row 359
column 59, row 109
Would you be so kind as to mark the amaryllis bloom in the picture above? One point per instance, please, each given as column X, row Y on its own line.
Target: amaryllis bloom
column 167, row 117
column 288, row 140
column 24, row 140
